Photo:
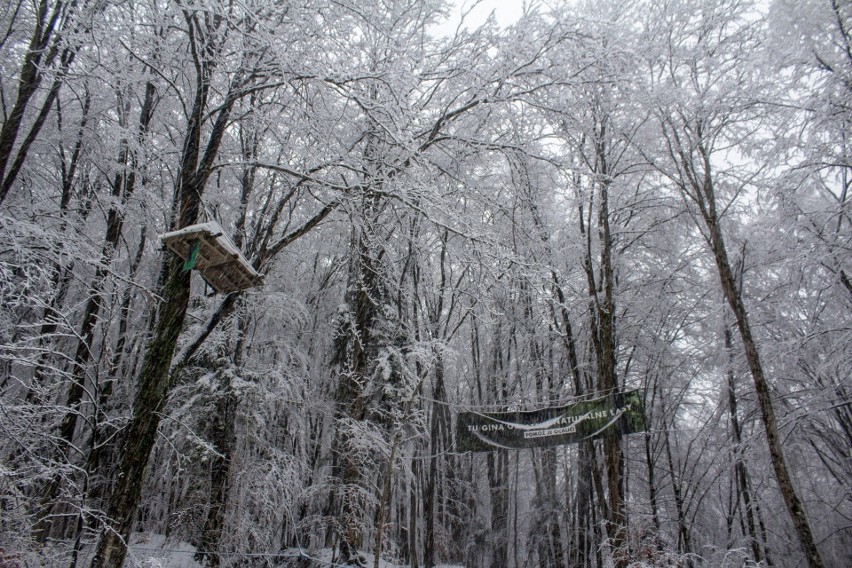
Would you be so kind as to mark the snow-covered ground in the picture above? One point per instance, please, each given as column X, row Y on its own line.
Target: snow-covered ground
column 154, row 551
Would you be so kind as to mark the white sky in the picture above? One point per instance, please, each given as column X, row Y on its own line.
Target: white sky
column 507, row 12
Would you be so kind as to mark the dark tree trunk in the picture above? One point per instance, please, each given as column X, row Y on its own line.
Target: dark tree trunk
column 155, row 381
column 123, row 187
column 550, row 549
column 140, row 433
column 354, row 352
column 220, row 469
column 41, row 52
column 684, row 538
column 583, row 529
column 602, row 320
column 413, row 513
column 439, row 428
column 498, row 482
column 651, row 464
column 703, row 194
column 740, row 469
column 12, row 172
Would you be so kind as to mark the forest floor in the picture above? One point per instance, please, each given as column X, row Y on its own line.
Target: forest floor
column 155, row 551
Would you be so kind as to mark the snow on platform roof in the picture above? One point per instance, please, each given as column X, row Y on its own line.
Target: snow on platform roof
column 219, row 261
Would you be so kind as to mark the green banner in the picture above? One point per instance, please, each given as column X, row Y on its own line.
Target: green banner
column 613, row 415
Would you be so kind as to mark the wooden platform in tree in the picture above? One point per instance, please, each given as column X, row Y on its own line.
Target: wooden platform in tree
column 218, row 261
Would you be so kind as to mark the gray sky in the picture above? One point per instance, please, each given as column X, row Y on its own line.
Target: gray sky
column 507, row 12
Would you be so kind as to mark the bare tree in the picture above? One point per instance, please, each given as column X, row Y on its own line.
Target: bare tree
column 694, row 135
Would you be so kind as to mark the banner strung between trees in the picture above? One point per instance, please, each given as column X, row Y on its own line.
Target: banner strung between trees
column 606, row 416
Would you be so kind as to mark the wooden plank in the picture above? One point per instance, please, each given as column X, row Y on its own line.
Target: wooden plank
column 219, row 262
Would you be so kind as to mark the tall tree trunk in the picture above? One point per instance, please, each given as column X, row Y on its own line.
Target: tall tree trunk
column 608, row 383
column 40, row 54
column 740, row 470
column 140, row 433
column 684, row 538
column 498, row 481
column 497, row 461
column 155, row 381
column 582, row 508
column 413, row 513
column 651, row 464
column 123, row 187
column 551, row 551
column 439, row 421
column 582, row 524
column 385, row 499
column 354, row 353
column 602, row 323
column 220, row 470
column 703, row 193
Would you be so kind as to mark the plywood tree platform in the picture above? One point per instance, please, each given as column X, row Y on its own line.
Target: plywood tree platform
column 207, row 248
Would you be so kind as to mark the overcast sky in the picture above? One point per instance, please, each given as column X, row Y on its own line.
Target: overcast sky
column 507, row 12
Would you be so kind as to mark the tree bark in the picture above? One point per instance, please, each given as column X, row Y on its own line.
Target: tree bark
column 40, row 55
column 764, row 399
column 740, row 469
column 699, row 187
column 155, row 381
column 498, row 479
column 123, row 187
column 141, row 432
column 684, row 537
column 602, row 320
column 440, row 424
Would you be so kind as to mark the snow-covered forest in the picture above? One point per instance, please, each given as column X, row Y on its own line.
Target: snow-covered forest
column 604, row 196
